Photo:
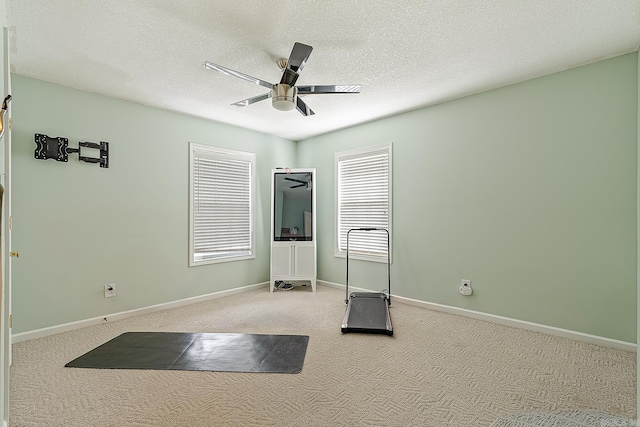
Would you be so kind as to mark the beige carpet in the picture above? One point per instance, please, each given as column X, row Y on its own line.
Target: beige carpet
column 437, row 370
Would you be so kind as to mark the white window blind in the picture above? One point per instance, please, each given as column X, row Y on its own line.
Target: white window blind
column 221, row 204
column 364, row 200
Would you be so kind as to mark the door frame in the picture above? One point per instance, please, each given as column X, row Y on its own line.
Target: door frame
column 5, row 242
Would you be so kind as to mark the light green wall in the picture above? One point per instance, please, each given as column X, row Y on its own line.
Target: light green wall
column 78, row 226
column 529, row 191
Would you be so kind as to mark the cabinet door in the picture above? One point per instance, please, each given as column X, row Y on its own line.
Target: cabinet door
column 305, row 260
column 281, row 263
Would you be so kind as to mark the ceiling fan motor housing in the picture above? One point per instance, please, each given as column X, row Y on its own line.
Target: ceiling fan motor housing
column 283, row 97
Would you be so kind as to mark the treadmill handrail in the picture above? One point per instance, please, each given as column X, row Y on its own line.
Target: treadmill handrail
column 346, row 299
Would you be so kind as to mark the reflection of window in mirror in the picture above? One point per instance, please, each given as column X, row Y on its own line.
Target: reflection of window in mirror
column 293, row 208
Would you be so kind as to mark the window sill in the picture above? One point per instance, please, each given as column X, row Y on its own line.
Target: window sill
column 202, row 260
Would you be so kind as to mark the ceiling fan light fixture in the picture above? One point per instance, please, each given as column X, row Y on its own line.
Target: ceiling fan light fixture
column 283, row 97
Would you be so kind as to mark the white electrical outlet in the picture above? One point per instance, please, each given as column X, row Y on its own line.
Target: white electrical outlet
column 110, row 290
column 465, row 287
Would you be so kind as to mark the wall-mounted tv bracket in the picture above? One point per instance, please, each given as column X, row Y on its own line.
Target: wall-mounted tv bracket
column 48, row 147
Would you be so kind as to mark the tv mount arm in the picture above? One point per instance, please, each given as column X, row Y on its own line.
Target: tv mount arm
column 48, row 147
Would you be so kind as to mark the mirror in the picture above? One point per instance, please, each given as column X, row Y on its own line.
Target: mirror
column 293, row 208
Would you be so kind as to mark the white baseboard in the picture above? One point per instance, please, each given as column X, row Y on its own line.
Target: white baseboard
column 39, row 333
column 507, row 321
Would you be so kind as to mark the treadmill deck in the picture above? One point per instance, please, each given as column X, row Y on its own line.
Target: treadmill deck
column 368, row 312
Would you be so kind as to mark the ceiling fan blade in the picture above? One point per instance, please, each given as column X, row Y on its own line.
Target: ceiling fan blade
column 252, row 100
column 320, row 89
column 303, row 108
column 298, row 58
column 299, row 55
column 230, row 72
column 298, row 186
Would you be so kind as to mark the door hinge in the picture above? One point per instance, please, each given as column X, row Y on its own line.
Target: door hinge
column 10, row 223
column 10, row 123
column 10, row 321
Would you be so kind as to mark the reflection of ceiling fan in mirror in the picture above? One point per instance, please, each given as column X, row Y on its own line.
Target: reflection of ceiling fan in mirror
column 299, row 181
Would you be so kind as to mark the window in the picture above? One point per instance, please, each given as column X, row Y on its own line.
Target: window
column 221, row 205
column 363, row 199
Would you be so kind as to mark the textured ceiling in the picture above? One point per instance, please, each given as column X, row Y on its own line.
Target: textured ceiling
column 405, row 53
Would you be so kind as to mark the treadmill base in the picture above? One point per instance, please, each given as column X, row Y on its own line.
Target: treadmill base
column 367, row 312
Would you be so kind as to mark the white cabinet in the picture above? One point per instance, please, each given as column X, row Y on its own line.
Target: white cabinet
column 293, row 261
column 293, row 226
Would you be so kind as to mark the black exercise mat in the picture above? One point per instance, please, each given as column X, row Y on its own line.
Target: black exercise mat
column 198, row 352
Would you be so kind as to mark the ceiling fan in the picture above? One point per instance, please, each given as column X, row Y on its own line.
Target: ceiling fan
column 285, row 95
